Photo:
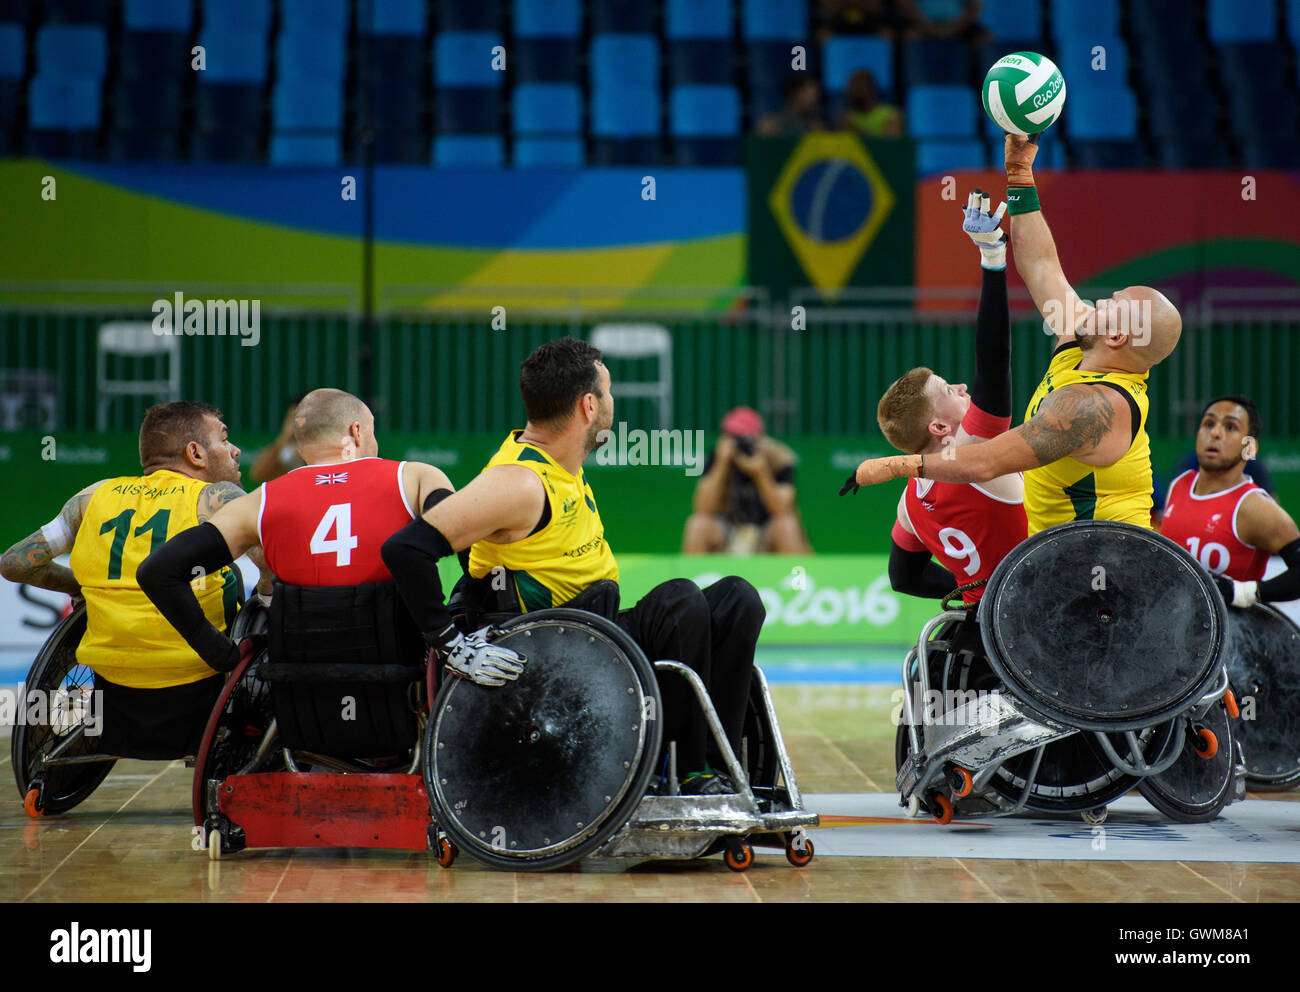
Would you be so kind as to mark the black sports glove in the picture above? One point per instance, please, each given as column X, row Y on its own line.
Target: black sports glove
column 850, row 484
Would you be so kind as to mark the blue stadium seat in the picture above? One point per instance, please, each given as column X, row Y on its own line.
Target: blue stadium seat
column 231, row 58
column 1233, row 20
column 548, row 18
column 404, row 18
column 774, row 20
column 1261, row 103
column 545, row 60
column 1075, row 59
column 484, row 151
column 72, row 50
column 327, row 16
column 625, row 111
column 549, row 153
column 1013, row 18
column 147, row 54
column 246, row 18
column 1101, row 114
column 1077, row 22
column 390, row 61
column 139, row 104
column 469, row 15
column 306, row 105
column 1178, row 114
column 701, row 61
column 304, row 53
column 624, row 60
column 468, row 110
column 1108, row 155
column 148, row 144
column 78, row 11
column 157, row 15
column 769, row 65
column 13, row 51
column 622, row 17
column 227, row 145
column 937, row 62
column 303, row 149
column 1293, row 21
column 1191, row 153
column 63, row 103
column 844, row 55
column 1162, row 22
column 943, row 155
column 16, row 11
column 234, row 106
column 547, row 108
column 685, row 20
column 464, row 58
column 705, row 123
column 941, row 112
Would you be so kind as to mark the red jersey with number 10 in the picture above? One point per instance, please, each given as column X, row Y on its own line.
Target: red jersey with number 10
column 1206, row 527
column 323, row 525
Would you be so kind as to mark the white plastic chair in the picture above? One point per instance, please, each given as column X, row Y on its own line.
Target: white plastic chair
column 641, row 341
column 135, row 339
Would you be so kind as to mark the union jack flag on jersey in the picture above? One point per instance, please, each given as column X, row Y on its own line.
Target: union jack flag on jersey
column 330, row 478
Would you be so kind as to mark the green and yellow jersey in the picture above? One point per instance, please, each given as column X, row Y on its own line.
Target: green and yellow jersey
column 1068, row 489
column 567, row 553
column 127, row 640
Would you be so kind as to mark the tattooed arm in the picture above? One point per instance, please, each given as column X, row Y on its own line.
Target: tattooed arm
column 1087, row 421
column 31, row 560
column 212, row 498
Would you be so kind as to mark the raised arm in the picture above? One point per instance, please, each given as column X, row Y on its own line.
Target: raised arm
column 990, row 412
column 32, row 560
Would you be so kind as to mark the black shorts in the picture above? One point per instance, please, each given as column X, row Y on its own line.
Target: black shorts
column 155, row 724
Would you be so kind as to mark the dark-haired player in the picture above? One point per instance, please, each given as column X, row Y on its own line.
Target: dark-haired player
column 1227, row 522
column 969, row 528
column 156, row 690
column 530, row 520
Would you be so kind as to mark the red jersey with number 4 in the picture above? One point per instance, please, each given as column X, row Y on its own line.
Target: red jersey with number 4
column 1206, row 526
column 968, row 529
column 323, row 525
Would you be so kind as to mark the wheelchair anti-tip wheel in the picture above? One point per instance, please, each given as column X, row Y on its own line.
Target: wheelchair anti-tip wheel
column 64, row 688
column 539, row 772
column 1199, row 784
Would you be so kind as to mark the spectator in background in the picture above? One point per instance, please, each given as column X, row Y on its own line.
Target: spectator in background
column 865, row 113
column 941, row 19
column 281, row 455
column 800, row 113
column 878, row 17
column 745, row 500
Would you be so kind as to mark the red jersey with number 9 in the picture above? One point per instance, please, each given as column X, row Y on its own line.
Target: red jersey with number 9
column 1206, row 527
column 323, row 525
column 968, row 529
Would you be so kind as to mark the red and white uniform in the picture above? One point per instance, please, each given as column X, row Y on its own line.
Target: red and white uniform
column 965, row 527
column 323, row 525
column 1206, row 526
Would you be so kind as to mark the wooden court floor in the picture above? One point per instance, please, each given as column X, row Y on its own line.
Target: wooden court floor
column 131, row 842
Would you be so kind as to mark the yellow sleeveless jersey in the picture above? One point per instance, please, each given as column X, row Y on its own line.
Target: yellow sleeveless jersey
column 1068, row 489
column 567, row 554
column 127, row 640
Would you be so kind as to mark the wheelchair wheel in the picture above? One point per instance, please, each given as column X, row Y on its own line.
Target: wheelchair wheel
column 540, row 772
column 764, row 767
column 1261, row 652
column 235, row 731
column 1196, row 787
column 65, row 686
column 1074, row 775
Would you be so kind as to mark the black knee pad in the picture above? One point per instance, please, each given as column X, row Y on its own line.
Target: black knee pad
column 746, row 597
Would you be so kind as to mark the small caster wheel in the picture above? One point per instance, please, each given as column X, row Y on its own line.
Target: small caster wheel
column 33, row 803
column 913, row 806
column 1095, row 817
column 214, row 844
column 940, row 807
column 800, row 852
column 446, row 853
column 959, row 781
column 1206, row 744
column 1230, row 704
column 738, row 856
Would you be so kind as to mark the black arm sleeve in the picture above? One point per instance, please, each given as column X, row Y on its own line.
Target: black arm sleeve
column 1285, row 586
column 991, row 390
column 915, row 573
column 165, row 577
column 411, row 555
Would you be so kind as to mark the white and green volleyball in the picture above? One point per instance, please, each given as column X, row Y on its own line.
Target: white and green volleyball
column 1024, row 93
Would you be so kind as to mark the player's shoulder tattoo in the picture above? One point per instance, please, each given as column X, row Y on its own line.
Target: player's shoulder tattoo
column 1073, row 419
column 214, row 496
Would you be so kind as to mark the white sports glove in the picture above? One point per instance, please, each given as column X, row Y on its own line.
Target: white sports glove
column 471, row 656
column 1242, row 595
column 985, row 229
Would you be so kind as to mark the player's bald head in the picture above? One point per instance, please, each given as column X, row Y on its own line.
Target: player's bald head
column 1160, row 332
column 325, row 415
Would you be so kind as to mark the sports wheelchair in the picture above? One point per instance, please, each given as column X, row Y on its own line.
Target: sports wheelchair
column 1092, row 666
column 337, row 730
column 1263, row 658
